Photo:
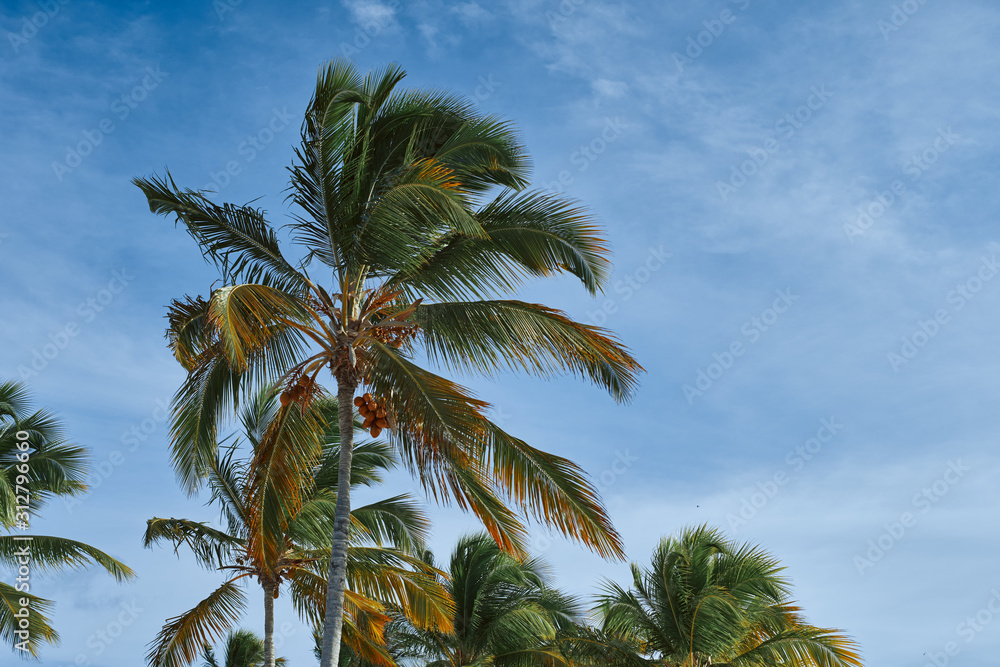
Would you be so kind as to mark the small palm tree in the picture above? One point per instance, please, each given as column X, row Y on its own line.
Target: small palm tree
column 506, row 615
column 411, row 208
column 284, row 537
column 706, row 600
column 37, row 463
column 243, row 649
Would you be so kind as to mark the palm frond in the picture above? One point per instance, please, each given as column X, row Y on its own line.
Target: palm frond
column 183, row 636
column 52, row 554
column 211, row 548
column 487, row 335
column 236, row 238
column 27, row 639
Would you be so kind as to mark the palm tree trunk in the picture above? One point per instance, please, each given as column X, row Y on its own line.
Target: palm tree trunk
column 333, row 620
column 269, row 625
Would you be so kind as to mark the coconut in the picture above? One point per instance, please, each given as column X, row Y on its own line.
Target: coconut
column 368, row 422
column 381, row 423
column 368, row 398
column 376, row 431
column 285, row 399
column 358, row 401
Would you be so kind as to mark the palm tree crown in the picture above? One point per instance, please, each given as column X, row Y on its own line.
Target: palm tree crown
column 411, row 203
column 506, row 614
column 37, row 463
column 706, row 600
column 243, row 648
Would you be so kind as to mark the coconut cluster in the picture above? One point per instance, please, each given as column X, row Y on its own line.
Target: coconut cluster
column 373, row 413
column 297, row 391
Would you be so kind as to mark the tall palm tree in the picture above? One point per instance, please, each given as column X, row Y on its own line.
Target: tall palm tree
column 506, row 615
column 412, row 205
column 285, row 537
column 37, row 463
column 706, row 600
column 243, row 649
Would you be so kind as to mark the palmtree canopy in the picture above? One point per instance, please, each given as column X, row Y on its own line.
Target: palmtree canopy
column 416, row 228
column 37, row 463
column 279, row 536
column 506, row 615
column 243, row 648
column 706, row 600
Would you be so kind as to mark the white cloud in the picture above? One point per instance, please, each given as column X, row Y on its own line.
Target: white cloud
column 367, row 12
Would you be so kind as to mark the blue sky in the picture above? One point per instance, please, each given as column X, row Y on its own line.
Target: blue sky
column 802, row 206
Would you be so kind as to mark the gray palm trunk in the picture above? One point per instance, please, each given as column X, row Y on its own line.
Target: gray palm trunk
column 269, row 625
column 333, row 619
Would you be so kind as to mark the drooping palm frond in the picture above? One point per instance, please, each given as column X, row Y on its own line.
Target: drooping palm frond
column 53, row 554
column 530, row 234
column 29, row 637
column 183, row 636
column 236, row 238
column 211, row 548
column 523, row 336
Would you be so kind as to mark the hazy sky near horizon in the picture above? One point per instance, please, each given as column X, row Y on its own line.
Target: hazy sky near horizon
column 801, row 200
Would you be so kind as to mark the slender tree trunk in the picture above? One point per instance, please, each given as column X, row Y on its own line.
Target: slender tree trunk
column 333, row 621
column 269, row 625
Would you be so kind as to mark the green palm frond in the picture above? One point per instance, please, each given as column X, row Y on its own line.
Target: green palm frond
column 524, row 336
column 236, row 238
column 211, row 548
column 183, row 636
column 27, row 639
column 53, row 554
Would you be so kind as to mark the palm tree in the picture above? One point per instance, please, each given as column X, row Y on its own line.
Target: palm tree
column 706, row 600
column 243, row 649
column 506, row 615
column 277, row 538
column 414, row 203
column 37, row 463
